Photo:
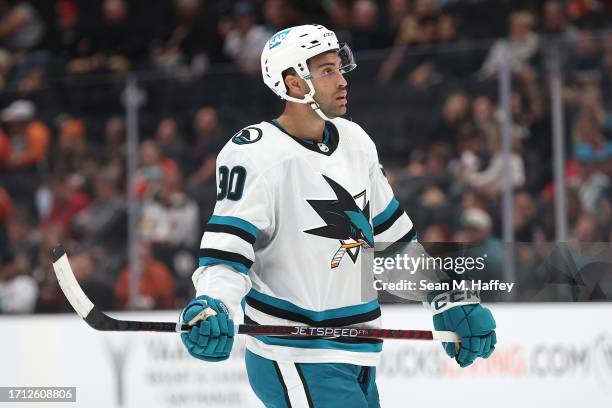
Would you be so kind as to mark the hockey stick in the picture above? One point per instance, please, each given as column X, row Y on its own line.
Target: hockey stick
column 101, row 321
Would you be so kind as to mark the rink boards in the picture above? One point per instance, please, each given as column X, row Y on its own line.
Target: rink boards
column 557, row 354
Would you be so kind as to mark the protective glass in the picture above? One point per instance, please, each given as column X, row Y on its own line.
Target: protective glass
column 347, row 64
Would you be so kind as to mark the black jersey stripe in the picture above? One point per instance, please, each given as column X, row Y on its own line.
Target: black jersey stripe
column 398, row 246
column 229, row 229
column 282, row 381
column 306, row 390
column 298, row 317
column 225, row 255
column 379, row 229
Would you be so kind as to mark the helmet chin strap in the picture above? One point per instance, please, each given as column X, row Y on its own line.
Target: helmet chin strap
column 315, row 106
column 309, row 100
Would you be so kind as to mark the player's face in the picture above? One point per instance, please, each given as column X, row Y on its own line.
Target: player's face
column 330, row 84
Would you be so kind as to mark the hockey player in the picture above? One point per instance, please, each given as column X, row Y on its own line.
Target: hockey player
column 298, row 198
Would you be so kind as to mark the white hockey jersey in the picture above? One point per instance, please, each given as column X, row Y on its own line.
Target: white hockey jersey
column 290, row 221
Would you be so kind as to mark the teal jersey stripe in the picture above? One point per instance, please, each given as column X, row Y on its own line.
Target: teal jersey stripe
column 207, row 261
column 387, row 213
column 345, row 311
column 322, row 344
column 235, row 222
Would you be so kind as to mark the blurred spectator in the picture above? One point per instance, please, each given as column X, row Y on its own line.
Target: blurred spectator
column 416, row 28
column 489, row 179
column 119, row 35
column 340, row 14
column 51, row 298
column 150, row 168
column 592, row 150
column 111, row 41
column 396, row 10
column 476, row 228
column 171, row 223
column 21, row 28
column 409, row 29
column 27, row 140
column 114, row 140
column 171, row 218
column 23, row 240
column 546, row 212
column 156, row 286
column 244, row 42
column 522, row 46
column 554, row 19
column 104, row 223
column 65, row 38
column 455, row 120
column 523, row 216
column 31, row 84
column 6, row 209
column 208, row 142
column 6, row 66
column 87, row 273
column 18, row 292
column 587, row 229
column 280, row 14
column 483, row 115
column 23, row 151
column 426, row 70
column 591, row 185
column 587, row 55
column 560, row 37
column 365, row 32
column 436, row 233
column 67, row 199
column 171, row 143
column 72, row 152
column 188, row 40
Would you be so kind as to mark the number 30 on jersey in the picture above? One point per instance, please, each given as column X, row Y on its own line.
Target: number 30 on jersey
column 231, row 183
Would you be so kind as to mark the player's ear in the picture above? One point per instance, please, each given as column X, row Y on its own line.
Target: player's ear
column 296, row 86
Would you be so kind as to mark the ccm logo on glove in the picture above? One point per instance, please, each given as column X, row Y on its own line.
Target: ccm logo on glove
column 444, row 301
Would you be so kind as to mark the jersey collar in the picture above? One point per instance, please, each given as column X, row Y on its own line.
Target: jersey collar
column 326, row 148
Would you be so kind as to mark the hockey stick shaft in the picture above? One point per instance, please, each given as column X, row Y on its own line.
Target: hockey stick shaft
column 101, row 321
column 355, row 332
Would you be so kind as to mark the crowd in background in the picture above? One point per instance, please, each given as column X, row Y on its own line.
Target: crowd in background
column 426, row 90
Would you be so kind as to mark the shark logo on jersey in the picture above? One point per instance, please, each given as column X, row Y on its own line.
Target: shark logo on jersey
column 347, row 218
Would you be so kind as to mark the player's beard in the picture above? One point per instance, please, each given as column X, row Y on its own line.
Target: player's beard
column 332, row 109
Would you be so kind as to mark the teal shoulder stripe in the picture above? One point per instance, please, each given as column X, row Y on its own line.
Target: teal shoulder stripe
column 208, row 261
column 387, row 213
column 322, row 344
column 340, row 312
column 235, row 222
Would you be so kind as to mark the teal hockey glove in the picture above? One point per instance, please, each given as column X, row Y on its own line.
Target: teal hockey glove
column 210, row 339
column 471, row 321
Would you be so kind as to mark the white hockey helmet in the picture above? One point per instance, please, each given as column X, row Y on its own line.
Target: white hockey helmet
column 292, row 48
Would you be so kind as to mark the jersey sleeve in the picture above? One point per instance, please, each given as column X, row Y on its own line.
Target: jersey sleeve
column 390, row 222
column 244, row 210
